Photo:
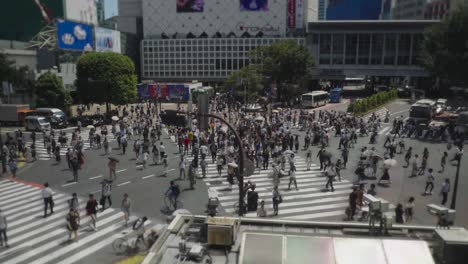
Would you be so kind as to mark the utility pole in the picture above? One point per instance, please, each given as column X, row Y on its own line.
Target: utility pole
column 455, row 185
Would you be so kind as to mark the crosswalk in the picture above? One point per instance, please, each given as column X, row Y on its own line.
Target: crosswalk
column 41, row 150
column 34, row 239
column 310, row 201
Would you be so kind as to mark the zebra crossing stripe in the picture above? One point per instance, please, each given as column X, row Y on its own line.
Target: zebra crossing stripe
column 12, row 190
column 294, row 211
column 15, row 194
column 385, row 129
column 317, row 215
column 9, row 186
column 37, row 209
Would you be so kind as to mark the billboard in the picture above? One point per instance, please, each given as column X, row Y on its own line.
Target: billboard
column 254, row 5
column 74, row 36
column 190, row 6
column 107, row 40
column 84, row 11
column 174, row 91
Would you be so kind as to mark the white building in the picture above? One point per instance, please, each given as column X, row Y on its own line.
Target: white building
column 206, row 40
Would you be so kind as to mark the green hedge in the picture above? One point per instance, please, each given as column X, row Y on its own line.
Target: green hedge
column 365, row 105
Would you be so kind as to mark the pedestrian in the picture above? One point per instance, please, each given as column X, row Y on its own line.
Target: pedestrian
column 292, row 177
column 372, row 191
column 408, row 156
column 261, row 211
column 75, row 166
column 47, row 195
column 399, row 213
column 414, row 165
column 145, row 159
column 409, row 210
column 182, row 165
column 443, row 161
column 13, row 167
column 73, row 203
column 445, row 190
column 123, row 143
column 219, row 165
column 352, row 202
column 3, row 230
column 165, row 164
column 385, row 176
column 309, row 159
column 191, row 175
column 106, row 191
column 73, row 223
column 139, row 227
column 338, row 168
column 91, row 211
column 112, row 164
column 125, row 207
column 330, row 174
column 276, row 199
column 162, row 149
column 429, row 182
column 252, row 199
column 106, row 146
column 203, row 165
column 156, row 158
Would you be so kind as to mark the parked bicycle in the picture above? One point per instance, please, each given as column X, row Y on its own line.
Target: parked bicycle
column 129, row 246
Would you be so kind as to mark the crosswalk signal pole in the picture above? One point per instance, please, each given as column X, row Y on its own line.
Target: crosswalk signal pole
column 455, row 185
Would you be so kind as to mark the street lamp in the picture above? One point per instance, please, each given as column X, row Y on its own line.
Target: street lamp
column 455, row 185
column 240, row 172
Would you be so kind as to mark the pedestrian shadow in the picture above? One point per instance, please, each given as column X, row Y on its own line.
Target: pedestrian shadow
column 67, row 169
column 70, row 181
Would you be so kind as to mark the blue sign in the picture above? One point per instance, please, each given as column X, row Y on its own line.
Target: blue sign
column 74, row 36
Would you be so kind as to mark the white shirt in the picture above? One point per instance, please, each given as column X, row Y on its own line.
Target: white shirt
column 46, row 192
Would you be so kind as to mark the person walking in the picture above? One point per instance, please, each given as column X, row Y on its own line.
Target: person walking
column 309, row 159
column 75, row 166
column 91, row 211
column 182, row 165
column 162, row 149
column 399, row 213
column 330, row 174
column 13, row 167
column 443, row 161
column 408, row 156
column 192, row 171
column 125, row 207
column 353, row 202
column 219, row 165
column 47, row 195
column 338, row 168
column 3, row 230
column 156, row 157
column 73, row 223
column 409, row 210
column 292, row 177
column 277, row 199
column 414, row 165
column 106, row 191
column 203, row 165
column 165, row 164
column 429, row 182
column 73, row 203
column 445, row 190
column 112, row 164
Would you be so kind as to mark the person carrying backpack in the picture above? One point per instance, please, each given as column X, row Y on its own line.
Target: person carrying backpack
column 106, row 190
column 73, row 223
column 139, row 227
column 73, row 203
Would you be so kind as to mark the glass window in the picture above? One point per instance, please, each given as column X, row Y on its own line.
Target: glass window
column 390, row 49
column 351, row 44
column 338, row 49
column 417, row 46
column 377, row 48
column 364, row 48
column 325, row 48
column 404, row 45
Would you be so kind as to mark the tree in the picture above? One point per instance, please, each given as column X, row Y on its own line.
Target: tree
column 445, row 47
column 50, row 91
column 251, row 78
column 106, row 77
column 287, row 63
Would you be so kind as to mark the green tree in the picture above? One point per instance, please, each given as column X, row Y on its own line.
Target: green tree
column 250, row 77
column 50, row 91
column 106, row 77
column 445, row 47
column 287, row 63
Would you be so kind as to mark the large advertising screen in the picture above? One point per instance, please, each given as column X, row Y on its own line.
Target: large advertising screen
column 81, row 10
column 107, row 40
column 74, row 36
column 254, row 5
column 190, row 6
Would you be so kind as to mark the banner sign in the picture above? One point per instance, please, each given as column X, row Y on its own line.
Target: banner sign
column 299, row 14
column 143, row 91
column 74, row 36
column 107, row 40
column 164, row 91
column 292, row 14
column 254, row 5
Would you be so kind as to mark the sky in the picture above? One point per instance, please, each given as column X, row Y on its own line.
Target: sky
column 110, row 8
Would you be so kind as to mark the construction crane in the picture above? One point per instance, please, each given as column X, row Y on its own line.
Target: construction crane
column 43, row 11
column 47, row 37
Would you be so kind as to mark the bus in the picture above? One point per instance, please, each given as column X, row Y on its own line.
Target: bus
column 314, row 99
column 335, row 95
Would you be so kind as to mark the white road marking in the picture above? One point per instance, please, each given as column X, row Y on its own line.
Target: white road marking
column 95, row 177
column 124, row 183
column 119, row 171
column 68, row 184
column 149, row 176
column 384, row 130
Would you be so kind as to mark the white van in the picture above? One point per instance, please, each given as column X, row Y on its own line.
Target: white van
column 36, row 123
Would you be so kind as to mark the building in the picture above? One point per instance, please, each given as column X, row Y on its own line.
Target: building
column 353, row 9
column 386, row 10
column 322, row 9
column 313, row 10
column 217, row 240
column 130, row 17
column 209, row 39
column 424, row 9
column 367, row 48
column 100, row 11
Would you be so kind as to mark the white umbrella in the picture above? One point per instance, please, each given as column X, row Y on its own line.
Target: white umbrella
column 181, row 211
column 288, row 152
column 115, row 118
column 390, row 163
column 233, row 165
column 125, row 119
column 90, row 127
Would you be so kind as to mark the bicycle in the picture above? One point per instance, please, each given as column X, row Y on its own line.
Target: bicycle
column 171, row 205
column 125, row 245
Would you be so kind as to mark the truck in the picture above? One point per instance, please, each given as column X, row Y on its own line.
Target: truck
column 422, row 111
column 13, row 114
